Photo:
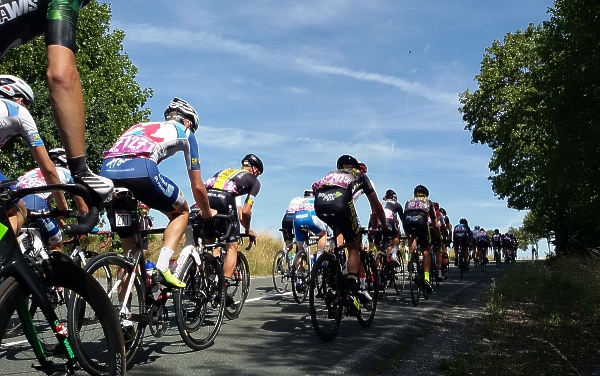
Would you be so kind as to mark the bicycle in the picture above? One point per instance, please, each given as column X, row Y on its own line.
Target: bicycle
column 282, row 267
column 327, row 293
column 302, row 264
column 83, row 331
column 390, row 271
column 463, row 262
column 445, row 266
column 416, row 278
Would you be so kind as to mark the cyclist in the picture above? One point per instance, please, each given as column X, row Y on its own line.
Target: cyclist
column 15, row 97
column 507, row 243
column 446, row 233
column 483, row 241
column 132, row 163
column 393, row 215
column 49, row 227
column 223, row 188
column 334, row 204
column 417, row 212
column 462, row 237
column 473, row 254
column 497, row 245
column 437, row 240
column 56, row 20
column 287, row 222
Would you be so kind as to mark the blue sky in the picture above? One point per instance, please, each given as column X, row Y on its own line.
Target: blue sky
column 301, row 82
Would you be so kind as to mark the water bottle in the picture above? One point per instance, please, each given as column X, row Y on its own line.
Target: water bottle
column 150, row 270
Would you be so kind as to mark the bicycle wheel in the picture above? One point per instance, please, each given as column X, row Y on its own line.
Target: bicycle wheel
column 382, row 272
column 281, row 272
column 199, row 307
column 398, row 275
column 113, row 272
column 414, row 280
column 369, row 300
column 325, row 297
column 239, row 287
column 300, row 276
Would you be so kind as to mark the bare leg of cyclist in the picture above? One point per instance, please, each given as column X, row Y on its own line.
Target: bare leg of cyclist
column 439, row 259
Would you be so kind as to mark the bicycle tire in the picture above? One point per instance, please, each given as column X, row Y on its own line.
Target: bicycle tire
column 370, row 267
column 112, row 264
column 325, row 296
column 239, row 287
column 382, row 272
column 398, row 275
column 281, row 272
column 300, row 280
column 199, row 307
column 90, row 319
column 414, row 279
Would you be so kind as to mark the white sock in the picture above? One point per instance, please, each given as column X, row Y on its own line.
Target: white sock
column 163, row 259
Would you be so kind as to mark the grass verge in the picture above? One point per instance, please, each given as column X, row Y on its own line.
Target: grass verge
column 541, row 319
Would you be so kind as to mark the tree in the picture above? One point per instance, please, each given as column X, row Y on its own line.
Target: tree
column 535, row 107
column 113, row 100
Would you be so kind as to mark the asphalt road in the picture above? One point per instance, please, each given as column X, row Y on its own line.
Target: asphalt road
column 274, row 336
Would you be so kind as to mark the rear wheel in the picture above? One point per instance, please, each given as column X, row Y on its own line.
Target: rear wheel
column 281, row 272
column 398, row 274
column 414, row 280
column 238, row 287
column 199, row 307
column 325, row 297
column 383, row 271
column 301, row 276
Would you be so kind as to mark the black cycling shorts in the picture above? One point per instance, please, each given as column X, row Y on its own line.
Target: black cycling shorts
column 335, row 207
column 224, row 203
column 287, row 227
column 415, row 224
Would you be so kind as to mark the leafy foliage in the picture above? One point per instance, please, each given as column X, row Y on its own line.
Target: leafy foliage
column 536, row 107
column 113, row 99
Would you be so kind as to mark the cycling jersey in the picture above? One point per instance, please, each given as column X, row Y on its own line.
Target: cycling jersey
column 307, row 217
column 496, row 240
column 39, row 202
column 132, row 162
column 287, row 222
column 23, row 20
column 417, row 212
column 482, row 239
column 16, row 119
column 393, row 210
column 334, row 201
column 461, row 234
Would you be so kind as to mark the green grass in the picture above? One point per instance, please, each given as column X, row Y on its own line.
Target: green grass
column 540, row 320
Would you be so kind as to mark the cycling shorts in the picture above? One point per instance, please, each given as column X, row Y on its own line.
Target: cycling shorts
column 461, row 238
column 335, row 207
column 415, row 224
column 304, row 218
column 224, row 203
column 142, row 177
column 482, row 244
column 48, row 226
column 287, row 228
column 436, row 241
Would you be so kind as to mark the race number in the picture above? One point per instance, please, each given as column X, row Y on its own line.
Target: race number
column 122, row 218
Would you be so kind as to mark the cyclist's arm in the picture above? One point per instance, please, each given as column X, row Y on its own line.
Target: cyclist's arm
column 199, row 192
column 40, row 155
column 376, row 208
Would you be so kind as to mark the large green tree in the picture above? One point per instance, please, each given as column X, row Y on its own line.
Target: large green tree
column 113, row 99
column 537, row 108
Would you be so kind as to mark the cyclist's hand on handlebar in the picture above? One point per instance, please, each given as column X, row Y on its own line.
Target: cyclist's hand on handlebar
column 209, row 227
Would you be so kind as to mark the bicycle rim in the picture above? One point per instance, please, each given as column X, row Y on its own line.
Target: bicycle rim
column 368, row 309
column 111, row 271
column 325, row 297
column 414, row 280
column 281, row 272
column 398, row 275
column 239, row 287
column 300, row 279
column 199, row 307
column 382, row 271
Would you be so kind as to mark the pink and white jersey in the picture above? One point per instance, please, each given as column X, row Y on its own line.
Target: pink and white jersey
column 34, row 178
column 157, row 141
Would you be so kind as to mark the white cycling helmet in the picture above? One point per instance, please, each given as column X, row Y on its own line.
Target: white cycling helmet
column 187, row 111
column 12, row 86
column 58, row 156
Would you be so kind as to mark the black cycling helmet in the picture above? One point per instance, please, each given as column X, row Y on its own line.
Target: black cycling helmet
column 253, row 160
column 421, row 190
column 463, row 221
column 481, row 229
column 391, row 194
column 58, row 156
column 496, row 231
column 308, row 193
column 443, row 211
column 185, row 110
column 347, row 160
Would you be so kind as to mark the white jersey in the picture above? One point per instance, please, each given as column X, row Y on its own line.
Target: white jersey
column 16, row 119
column 34, row 178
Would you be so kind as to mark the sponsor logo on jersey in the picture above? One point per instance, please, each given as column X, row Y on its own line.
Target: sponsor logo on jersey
column 17, row 8
column 330, row 196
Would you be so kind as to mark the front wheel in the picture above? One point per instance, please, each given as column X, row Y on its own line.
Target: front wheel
column 414, row 280
column 369, row 294
column 398, row 274
column 325, row 296
column 281, row 272
column 238, row 287
column 300, row 276
column 199, row 307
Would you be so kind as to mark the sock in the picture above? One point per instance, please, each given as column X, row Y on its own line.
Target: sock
column 77, row 165
column 163, row 259
column 426, row 276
